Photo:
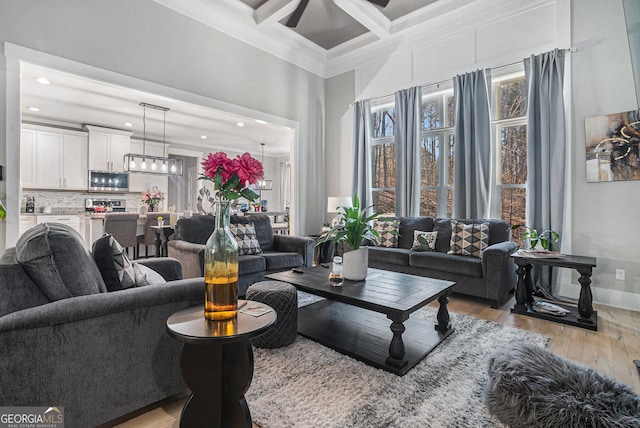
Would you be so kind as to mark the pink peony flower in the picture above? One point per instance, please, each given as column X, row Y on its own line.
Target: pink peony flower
column 218, row 162
column 248, row 168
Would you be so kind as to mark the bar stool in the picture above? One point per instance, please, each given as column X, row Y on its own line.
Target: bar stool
column 149, row 236
column 122, row 226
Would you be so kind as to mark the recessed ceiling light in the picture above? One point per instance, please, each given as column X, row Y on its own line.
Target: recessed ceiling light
column 261, row 122
column 204, row 137
column 240, row 124
column 43, row 80
column 33, row 108
column 129, row 124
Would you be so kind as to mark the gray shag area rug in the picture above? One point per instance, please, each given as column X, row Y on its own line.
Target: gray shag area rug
column 532, row 387
column 309, row 385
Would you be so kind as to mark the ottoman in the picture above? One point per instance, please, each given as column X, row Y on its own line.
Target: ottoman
column 283, row 298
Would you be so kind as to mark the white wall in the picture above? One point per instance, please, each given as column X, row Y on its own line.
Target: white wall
column 147, row 41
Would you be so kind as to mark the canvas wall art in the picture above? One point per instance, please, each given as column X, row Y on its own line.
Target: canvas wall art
column 612, row 147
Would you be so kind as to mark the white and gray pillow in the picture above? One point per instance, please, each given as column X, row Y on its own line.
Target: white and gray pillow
column 246, row 238
column 469, row 239
column 424, row 241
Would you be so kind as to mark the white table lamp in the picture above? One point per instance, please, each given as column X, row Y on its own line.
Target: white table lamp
column 334, row 204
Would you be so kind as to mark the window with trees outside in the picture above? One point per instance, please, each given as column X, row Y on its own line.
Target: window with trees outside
column 510, row 131
column 383, row 171
column 437, row 116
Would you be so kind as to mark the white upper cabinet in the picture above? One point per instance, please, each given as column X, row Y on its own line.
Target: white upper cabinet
column 107, row 148
column 52, row 158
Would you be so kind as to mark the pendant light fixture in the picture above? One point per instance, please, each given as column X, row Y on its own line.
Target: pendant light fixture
column 148, row 164
column 262, row 183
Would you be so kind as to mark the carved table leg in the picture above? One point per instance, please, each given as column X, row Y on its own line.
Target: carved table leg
column 443, row 314
column 522, row 294
column 396, row 356
column 585, row 307
column 218, row 377
column 158, row 243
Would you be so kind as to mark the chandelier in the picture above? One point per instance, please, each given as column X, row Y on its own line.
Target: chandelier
column 148, row 164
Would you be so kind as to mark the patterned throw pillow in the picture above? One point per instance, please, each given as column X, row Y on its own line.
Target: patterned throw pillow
column 246, row 238
column 113, row 263
column 469, row 239
column 388, row 230
column 146, row 276
column 424, row 241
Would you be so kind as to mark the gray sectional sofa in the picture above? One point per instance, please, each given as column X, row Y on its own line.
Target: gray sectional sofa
column 491, row 277
column 279, row 252
column 65, row 341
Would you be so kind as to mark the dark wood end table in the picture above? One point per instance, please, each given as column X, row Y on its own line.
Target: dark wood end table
column 217, row 365
column 584, row 316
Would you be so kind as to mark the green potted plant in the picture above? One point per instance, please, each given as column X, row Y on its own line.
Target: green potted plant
column 546, row 239
column 353, row 227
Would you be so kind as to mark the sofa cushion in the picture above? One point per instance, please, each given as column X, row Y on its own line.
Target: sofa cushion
column 251, row 264
column 450, row 263
column 468, row 239
column 196, row 229
column 424, row 241
column 262, row 225
column 396, row 256
column 388, row 230
column 245, row 235
column 144, row 276
column 16, row 288
column 114, row 264
column 56, row 260
column 279, row 261
column 408, row 225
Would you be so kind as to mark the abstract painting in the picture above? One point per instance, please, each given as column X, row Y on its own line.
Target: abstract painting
column 612, row 147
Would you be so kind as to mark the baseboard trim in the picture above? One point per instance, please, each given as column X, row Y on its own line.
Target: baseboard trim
column 618, row 299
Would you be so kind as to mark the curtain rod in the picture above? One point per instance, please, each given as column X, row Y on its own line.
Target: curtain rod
column 500, row 67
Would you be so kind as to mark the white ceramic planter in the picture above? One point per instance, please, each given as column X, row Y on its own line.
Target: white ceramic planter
column 356, row 264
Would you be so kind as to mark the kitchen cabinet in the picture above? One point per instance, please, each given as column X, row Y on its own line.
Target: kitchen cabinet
column 107, row 148
column 52, row 158
column 70, row 220
column 139, row 182
column 26, row 223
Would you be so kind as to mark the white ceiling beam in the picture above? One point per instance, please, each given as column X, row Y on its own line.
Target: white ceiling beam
column 368, row 15
column 274, row 10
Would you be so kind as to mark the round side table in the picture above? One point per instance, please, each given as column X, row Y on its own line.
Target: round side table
column 217, row 364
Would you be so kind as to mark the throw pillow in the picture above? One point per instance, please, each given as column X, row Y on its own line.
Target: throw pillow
column 246, row 238
column 388, row 230
column 56, row 260
column 146, row 276
column 469, row 239
column 113, row 263
column 424, row 241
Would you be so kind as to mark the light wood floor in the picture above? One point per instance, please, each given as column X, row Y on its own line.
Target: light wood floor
column 611, row 350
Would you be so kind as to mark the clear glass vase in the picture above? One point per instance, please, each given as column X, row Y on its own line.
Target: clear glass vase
column 221, row 268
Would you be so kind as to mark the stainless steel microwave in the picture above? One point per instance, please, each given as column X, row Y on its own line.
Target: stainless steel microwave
column 108, row 181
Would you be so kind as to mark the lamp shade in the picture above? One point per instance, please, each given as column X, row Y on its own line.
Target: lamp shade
column 334, row 202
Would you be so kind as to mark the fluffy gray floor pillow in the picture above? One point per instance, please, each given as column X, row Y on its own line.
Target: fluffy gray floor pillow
column 532, row 387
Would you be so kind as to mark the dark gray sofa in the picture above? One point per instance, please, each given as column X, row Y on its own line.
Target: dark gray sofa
column 491, row 277
column 279, row 252
column 99, row 355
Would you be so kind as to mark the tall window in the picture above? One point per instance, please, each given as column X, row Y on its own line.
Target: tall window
column 383, row 158
column 436, row 155
column 510, row 130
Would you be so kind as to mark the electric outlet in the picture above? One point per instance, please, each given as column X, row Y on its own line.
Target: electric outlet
column 620, row 274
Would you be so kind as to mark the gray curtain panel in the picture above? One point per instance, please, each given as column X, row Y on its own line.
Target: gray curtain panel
column 546, row 148
column 407, row 143
column 362, row 152
column 472, row 157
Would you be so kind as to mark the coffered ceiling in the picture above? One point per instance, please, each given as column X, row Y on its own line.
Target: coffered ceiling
column 330, row 35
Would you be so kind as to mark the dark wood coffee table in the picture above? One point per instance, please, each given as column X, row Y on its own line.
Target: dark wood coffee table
column 353, row 318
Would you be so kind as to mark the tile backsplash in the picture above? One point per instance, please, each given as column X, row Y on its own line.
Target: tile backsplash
column 73, row 202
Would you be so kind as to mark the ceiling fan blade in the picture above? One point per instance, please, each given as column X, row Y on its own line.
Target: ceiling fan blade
column 382, row 3
column 297, row 14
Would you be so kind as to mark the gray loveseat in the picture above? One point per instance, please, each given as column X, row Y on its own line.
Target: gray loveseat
column 279, row 252
column 67, row 342
column 491, row 277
